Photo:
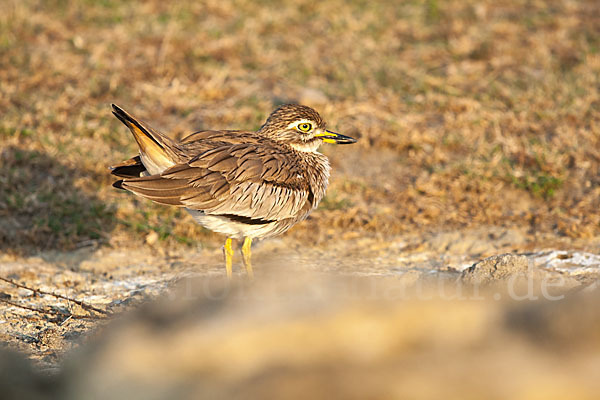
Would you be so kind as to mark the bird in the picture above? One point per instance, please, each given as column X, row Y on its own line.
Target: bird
column 242, row 184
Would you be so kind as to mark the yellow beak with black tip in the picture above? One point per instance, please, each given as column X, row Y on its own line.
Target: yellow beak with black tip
column 332, row 137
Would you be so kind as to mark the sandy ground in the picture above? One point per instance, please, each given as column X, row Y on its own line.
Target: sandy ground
column 116, row 280
column 362, row 319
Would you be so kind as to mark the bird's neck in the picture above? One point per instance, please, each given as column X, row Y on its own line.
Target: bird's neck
column 317, row 168
column 309, row 146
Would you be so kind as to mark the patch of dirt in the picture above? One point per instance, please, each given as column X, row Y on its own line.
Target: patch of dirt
column 117, row 279
column 292, row 333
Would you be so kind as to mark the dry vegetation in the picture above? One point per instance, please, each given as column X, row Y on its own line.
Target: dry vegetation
column 469, row 113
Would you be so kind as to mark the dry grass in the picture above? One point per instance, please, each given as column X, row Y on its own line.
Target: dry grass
column 468, row 112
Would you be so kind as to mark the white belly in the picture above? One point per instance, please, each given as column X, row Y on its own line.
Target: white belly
column 232, row 229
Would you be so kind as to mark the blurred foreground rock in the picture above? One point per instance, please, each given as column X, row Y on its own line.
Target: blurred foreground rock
column 324, row 336
column 19, row 379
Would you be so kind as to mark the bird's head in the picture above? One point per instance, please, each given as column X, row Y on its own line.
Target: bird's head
column 301, row 127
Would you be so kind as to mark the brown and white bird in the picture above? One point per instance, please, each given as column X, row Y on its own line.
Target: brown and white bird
column 242, row 184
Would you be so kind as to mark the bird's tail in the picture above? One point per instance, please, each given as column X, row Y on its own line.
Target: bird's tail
column 158, row 152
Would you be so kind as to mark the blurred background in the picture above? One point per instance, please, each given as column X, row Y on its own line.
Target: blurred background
column 478, row 124
column 469, row 113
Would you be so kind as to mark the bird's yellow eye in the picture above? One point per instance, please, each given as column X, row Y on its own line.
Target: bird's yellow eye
column 304, row 127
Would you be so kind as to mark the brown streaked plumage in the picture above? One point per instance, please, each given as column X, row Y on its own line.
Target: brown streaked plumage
column 239, row 183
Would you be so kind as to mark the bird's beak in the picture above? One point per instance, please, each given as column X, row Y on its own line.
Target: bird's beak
column 332, row 137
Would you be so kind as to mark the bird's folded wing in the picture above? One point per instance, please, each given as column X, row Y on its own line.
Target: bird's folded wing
column 244, row 180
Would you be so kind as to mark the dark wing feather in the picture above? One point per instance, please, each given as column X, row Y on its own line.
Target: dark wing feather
column 132, row 168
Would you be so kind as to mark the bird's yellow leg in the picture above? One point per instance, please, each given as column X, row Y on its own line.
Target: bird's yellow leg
column 246, row 254
column 228, row 251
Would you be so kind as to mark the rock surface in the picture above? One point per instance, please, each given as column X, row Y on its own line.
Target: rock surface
column 497, row 268
column 326, row 337
column 369, row 318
